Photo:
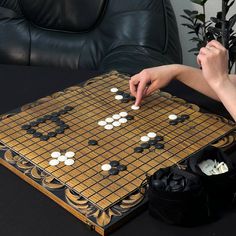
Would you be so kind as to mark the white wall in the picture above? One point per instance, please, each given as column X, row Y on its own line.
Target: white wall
column 212, row 7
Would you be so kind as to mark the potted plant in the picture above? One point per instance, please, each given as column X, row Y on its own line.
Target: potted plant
column 219, row 28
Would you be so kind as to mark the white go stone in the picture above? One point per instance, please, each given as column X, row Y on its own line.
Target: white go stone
column 123, row 120
column 69, row 162
column 102, row 123
column 223, row 168
column 151, row 135
column 118, row 97
column 172, row 117
column 53, row 162
column 106, row 167
column 116, row 123
column 116, row 116
column 62, row 158
column 70, row 154
column 135, row 107
column 114, row 90
column 109, row 120
column 123, row 114
column 55, row 154
column 108, row 127
column 145, row 139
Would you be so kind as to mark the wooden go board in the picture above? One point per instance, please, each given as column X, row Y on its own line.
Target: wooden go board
column 95, row 197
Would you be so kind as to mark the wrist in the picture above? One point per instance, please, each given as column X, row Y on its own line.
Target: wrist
column 220, row 83
column 176, row 70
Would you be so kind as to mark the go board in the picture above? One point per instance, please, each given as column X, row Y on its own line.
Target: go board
column 100, row 198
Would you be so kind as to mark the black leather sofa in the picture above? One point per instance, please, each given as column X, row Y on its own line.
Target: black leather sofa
column 126, row 35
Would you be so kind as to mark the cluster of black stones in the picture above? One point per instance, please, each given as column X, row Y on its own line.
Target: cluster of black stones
column 155, row 143
column 31, row 128
column 116, row 167
column 126, row 97
column 180, row 119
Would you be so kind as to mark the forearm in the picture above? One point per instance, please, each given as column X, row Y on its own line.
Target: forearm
column 226, row 91
column 193, row 78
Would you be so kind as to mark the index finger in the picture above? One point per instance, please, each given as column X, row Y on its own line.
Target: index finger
column 133, row 83
column 140, row 90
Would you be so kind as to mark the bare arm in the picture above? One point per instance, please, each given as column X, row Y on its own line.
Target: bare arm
column 149, row 80
column 213, row 80
column 193, row 78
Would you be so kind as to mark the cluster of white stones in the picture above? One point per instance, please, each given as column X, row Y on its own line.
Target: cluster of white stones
column 149, row 136
column 58, row 157
column 114, row 121
column 210, row 167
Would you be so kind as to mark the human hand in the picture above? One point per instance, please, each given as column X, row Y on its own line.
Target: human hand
column 214, row 59
column 149, row 80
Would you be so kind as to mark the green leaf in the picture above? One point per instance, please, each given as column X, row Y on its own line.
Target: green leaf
column 199, row 2
column 187, row 12
column 201, row 17
column 191, row 32
column 190, row 13
column 187, row 18
column 232, row 21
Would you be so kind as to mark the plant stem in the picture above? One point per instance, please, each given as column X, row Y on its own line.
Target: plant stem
column 223, row 19
column 204, row 24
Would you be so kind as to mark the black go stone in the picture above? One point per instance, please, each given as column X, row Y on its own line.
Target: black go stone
column 113, row 171
column 68, row 108
column 55, row 114
column 59, row 131
column 145, row 145
column 60, row 122
column 114, row 163
column 126, row 95
column 132, row 98
column 65, row 126
column 152, row 142
column 185, row 116
column 180, row 119
column 159, row 138
column 124, row 100
column 177, row 177
column 31, row 131
column 119, row 93
column 92, row 142
column 26, row 127
column 62, row 112
column 173, row 122
column 52, row 134
column 159, row 146
column 34, row 123
column 177, row 188
column 158, row 184
column 138, row 149
column 122, row 167
column 54, row 119
column 41, row 120
column 44, row 138
column 129, row 117
column 37, row 134
column 47, row 117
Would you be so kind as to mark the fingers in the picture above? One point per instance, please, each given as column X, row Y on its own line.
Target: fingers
column 152, row 88
column 140, row 91
column 199, row 61
column 216, row 44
